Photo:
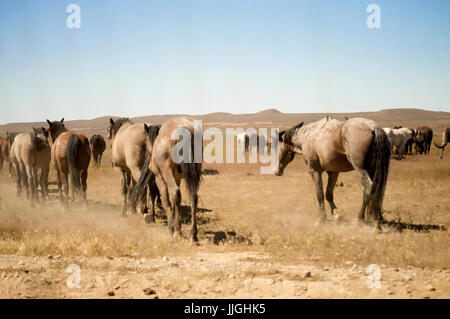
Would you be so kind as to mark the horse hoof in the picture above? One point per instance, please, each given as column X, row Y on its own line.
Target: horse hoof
column 338, row 218
column 149, row 219
column 320, row 221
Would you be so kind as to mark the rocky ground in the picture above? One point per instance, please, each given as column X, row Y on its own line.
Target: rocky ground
column 215, row 275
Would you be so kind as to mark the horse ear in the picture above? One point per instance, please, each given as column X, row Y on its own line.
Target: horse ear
column 280, row 136
column 300, row 125
column 62, row 120
column 34, row 129
column 111, row 121
column 49, row 123
column 146, row 128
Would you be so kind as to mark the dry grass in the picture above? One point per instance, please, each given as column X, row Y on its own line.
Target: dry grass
column 268, row 214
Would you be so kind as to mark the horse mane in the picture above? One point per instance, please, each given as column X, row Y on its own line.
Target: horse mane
column 153, row 132
column 290, row 133
column 11, row 136
column 36, row 142
column 118, row 124
column 95, row 139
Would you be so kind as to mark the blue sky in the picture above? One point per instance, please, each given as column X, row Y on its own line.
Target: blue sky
column 133, row 58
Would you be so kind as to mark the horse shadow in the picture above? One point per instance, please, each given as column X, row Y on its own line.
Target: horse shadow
column 400, row 226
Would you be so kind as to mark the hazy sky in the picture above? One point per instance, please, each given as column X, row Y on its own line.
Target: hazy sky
column 132, row 58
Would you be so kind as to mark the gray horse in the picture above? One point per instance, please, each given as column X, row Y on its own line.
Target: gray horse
column 333, row 146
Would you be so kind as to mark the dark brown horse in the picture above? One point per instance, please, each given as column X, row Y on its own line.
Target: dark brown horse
column 334, row 146
column 169, row 170
column 445, row 140
column 98, row 146
column 423, row 138
column 70, row 154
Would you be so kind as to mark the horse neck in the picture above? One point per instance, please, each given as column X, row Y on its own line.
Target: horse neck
column 56, row 134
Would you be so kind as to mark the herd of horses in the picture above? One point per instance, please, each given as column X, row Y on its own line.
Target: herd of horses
column 141, row 154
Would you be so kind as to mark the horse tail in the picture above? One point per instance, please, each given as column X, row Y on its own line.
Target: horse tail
column 139, row 192
column 445, row 140
column 378, row 167
column 191, row 171
column 73, row 145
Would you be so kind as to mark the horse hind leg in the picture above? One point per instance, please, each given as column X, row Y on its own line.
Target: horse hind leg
column 18, row 179
column 317, row 178
column 332, row 179
column 163, row 190
column 124, row 190
column 84, row 176
column 367, row 184
column 193, row 200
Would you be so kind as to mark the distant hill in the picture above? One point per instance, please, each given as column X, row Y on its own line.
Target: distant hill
column 269, row 117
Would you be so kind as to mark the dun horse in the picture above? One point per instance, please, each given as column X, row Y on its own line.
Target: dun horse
column 128, row 155
column 4, row 151
column 334, row 146
column 70, row 154
column 98, row 145
column 30, row 152
column 445, row 140
column 169, row 172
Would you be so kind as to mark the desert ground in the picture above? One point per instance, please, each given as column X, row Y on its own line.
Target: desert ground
column 258, row 237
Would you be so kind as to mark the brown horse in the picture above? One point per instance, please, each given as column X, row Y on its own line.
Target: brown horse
column 98, row 146
column 423, row 138
column 30, row 152
column 128, row 154
column 334, row 146
column 170, row 170
column 70, row 154
column 445, row 140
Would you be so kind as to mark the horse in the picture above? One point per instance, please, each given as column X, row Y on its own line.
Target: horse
column 70, row 153
column 244, row 139
column 334, row 146
column 98, row 146
column 30, row 152
column 410, row 142
column 445, row 140
column 128, row 156
column 4, row 151
column 10, row 136
column 398, row 138
column 169, row 171
column 423, row 139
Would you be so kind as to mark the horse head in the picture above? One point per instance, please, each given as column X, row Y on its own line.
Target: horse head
column 286, row 148
column 56, row 128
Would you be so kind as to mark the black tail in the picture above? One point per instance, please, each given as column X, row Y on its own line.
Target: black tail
column 378, row 167
column 73, row 145
column 192, row 172
column 442, row 146
column 139, row 193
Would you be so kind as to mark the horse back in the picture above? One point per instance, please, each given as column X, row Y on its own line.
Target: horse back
column 128, row 147
column 357, row 137
column 60, row 148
